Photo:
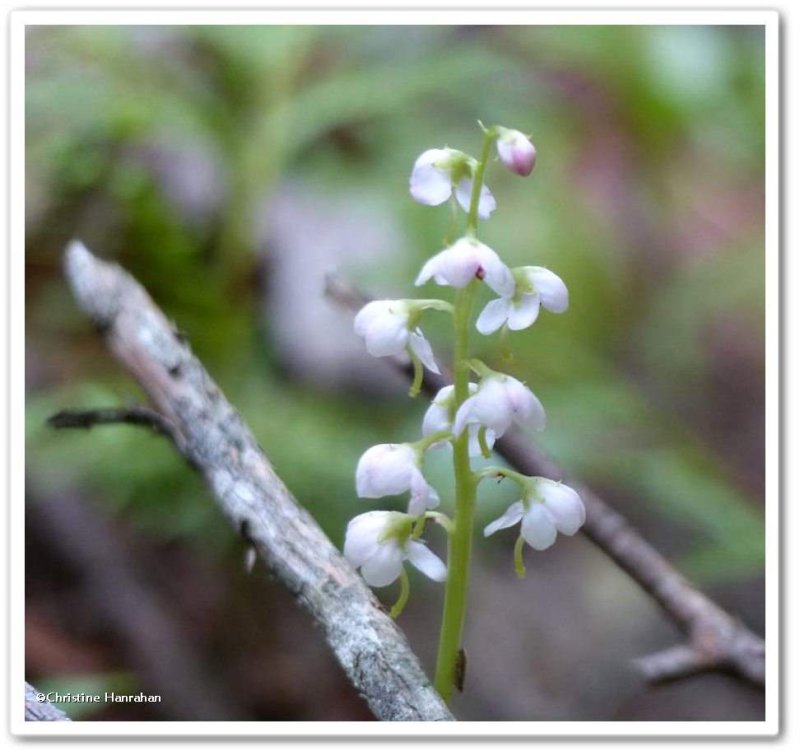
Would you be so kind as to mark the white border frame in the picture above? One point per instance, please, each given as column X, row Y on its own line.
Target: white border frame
column 370, row 16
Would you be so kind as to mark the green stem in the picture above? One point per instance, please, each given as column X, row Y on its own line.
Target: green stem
column 484, row 444
column 426, row 442
column 402, row 600
column 477, row 183
column 419, row 373
column 460, row 541
column 523, row 481
column 440, row 519
column 519, row 563
column 451, row 231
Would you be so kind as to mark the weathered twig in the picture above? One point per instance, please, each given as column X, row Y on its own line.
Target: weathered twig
column 208, row 431
column 715, row 639
column 37, row 710
column 86, row 419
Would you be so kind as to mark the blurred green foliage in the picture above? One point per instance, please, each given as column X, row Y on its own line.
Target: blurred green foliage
column 647, row 199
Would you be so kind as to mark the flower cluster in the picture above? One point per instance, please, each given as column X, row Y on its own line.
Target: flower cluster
column 379, row 542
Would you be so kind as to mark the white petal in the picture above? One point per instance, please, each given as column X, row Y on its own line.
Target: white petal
column 508, row 519
column 465, row 259
column 538, row 528
column 492, row 406
column 464, row 416
column 550, row 288
column 423, row 495
column 524, row 313
column 436, row 419
column 496, row 273
column 384, row 566
column 564, row 505
column 383, row 470
column 384, row 326
column 461, row 262
column 430, row 184
column 493, row 316
column 524, row 404
column 431, row 157
column 464, row 193
column 389, row 340
column 368, row 314
column 362, row 535
column 429, row 270
column 437, row 416
column 486, row 202
column 538, row 417
column 421, row 347
column 426, row 561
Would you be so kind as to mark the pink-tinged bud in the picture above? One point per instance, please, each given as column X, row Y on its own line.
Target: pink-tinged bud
column 516, row 151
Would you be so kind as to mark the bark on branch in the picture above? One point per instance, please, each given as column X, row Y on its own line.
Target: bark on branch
column 208, row 431
column 715, row 640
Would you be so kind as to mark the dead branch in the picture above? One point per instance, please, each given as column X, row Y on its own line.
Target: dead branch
column 86, row 419
column 714, row 639
column 208, row 431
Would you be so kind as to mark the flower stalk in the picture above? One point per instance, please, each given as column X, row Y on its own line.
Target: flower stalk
column 469, row 417
column 460, row 541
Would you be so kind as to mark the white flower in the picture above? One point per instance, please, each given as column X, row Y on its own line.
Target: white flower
column 535, row 287
column 378, row 543
column 384, row 326
column 546, row 509
column 515, row 151
column 437, row 173
column 500, row 401
column 437, row 419
column 388, row 469
column 465, row 260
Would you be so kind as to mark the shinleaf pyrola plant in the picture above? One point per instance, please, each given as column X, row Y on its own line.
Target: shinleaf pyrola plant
column 470, row 415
